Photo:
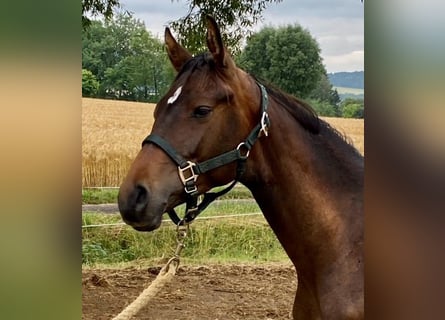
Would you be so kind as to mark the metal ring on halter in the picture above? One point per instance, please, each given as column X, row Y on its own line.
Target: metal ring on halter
column 246, row 155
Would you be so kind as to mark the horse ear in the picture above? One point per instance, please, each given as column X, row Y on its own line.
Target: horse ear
column 178, row 55
column 215, row 44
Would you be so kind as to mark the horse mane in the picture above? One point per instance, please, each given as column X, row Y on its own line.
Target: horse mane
column 305, row 115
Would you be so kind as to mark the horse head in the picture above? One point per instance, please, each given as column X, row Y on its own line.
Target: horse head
column 209, row 109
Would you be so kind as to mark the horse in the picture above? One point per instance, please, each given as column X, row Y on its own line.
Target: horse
column 217, row 124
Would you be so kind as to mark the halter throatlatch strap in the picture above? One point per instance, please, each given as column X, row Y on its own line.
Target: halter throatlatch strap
column 189, row 171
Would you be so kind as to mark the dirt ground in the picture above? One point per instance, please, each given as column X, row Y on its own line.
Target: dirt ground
column 216, row 292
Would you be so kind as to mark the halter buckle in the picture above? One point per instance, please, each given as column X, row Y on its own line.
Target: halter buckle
column 188, row 177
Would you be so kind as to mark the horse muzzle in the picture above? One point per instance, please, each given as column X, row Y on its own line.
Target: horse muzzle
column 140, row 209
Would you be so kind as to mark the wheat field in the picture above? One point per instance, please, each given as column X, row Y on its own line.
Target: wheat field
column 112, row 132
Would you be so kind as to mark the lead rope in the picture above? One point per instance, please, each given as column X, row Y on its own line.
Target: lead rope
column 165, row 276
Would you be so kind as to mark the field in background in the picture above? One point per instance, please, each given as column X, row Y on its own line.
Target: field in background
column 352, row 93
column 342, row 90
column 112, row 132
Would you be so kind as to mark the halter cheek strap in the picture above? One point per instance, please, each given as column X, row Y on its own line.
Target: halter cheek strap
column 189, row 171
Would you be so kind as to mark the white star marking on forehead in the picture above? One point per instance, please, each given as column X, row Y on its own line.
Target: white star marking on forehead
column 175, row 95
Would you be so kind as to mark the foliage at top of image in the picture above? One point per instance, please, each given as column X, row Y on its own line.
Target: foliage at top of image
column 236, row 19
column 97, row 8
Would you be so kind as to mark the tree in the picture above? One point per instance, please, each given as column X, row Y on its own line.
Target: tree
column 236, row 19
column 128, row 62
column 288, row 57
column 323, row 108
column 352, row 108
column 95, row 49
column 254, row 58
column 90, row 85
column 324, row 92
column 97, row 8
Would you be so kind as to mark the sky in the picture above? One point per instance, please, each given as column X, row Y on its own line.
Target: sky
column 337, row 25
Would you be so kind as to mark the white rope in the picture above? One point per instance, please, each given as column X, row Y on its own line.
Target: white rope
column 104, row 225
column 165, row 275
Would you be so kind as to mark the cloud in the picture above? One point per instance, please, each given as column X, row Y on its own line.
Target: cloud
column 291, row 9
column 156, row 14
column 352, row 61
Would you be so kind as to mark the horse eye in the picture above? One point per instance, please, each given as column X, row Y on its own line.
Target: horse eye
column 201, row 111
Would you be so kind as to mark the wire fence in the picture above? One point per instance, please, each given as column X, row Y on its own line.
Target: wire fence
column 117, row 224
column 100, row 187
column 213, row 217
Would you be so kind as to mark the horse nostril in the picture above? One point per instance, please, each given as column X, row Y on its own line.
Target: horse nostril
column 133, row 203
column 141, row 198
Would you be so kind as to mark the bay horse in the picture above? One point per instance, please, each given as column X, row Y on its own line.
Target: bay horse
column 218, row 124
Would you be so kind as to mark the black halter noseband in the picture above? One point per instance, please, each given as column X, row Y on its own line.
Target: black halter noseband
column 189, row 171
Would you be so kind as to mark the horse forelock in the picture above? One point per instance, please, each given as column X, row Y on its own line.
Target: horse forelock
column 198, row 62
column 202, row 64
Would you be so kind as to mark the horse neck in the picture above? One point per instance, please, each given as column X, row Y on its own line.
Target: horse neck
column 308, row 187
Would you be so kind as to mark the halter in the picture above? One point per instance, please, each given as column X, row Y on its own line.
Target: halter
column 189, row 171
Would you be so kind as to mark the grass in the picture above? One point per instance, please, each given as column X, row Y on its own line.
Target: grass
column 240, row 239
column 100, row 195
column 232, row 239
column 112, row 132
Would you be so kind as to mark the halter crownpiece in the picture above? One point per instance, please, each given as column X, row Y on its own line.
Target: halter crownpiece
column 189, row 171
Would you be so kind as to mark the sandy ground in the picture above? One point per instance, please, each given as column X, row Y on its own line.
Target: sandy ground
column 213, row 292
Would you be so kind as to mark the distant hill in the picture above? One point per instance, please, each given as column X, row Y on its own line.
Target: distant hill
column 354, row 79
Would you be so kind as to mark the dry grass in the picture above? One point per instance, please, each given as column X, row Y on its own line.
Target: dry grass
column 112, row 132
column 353, row 129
